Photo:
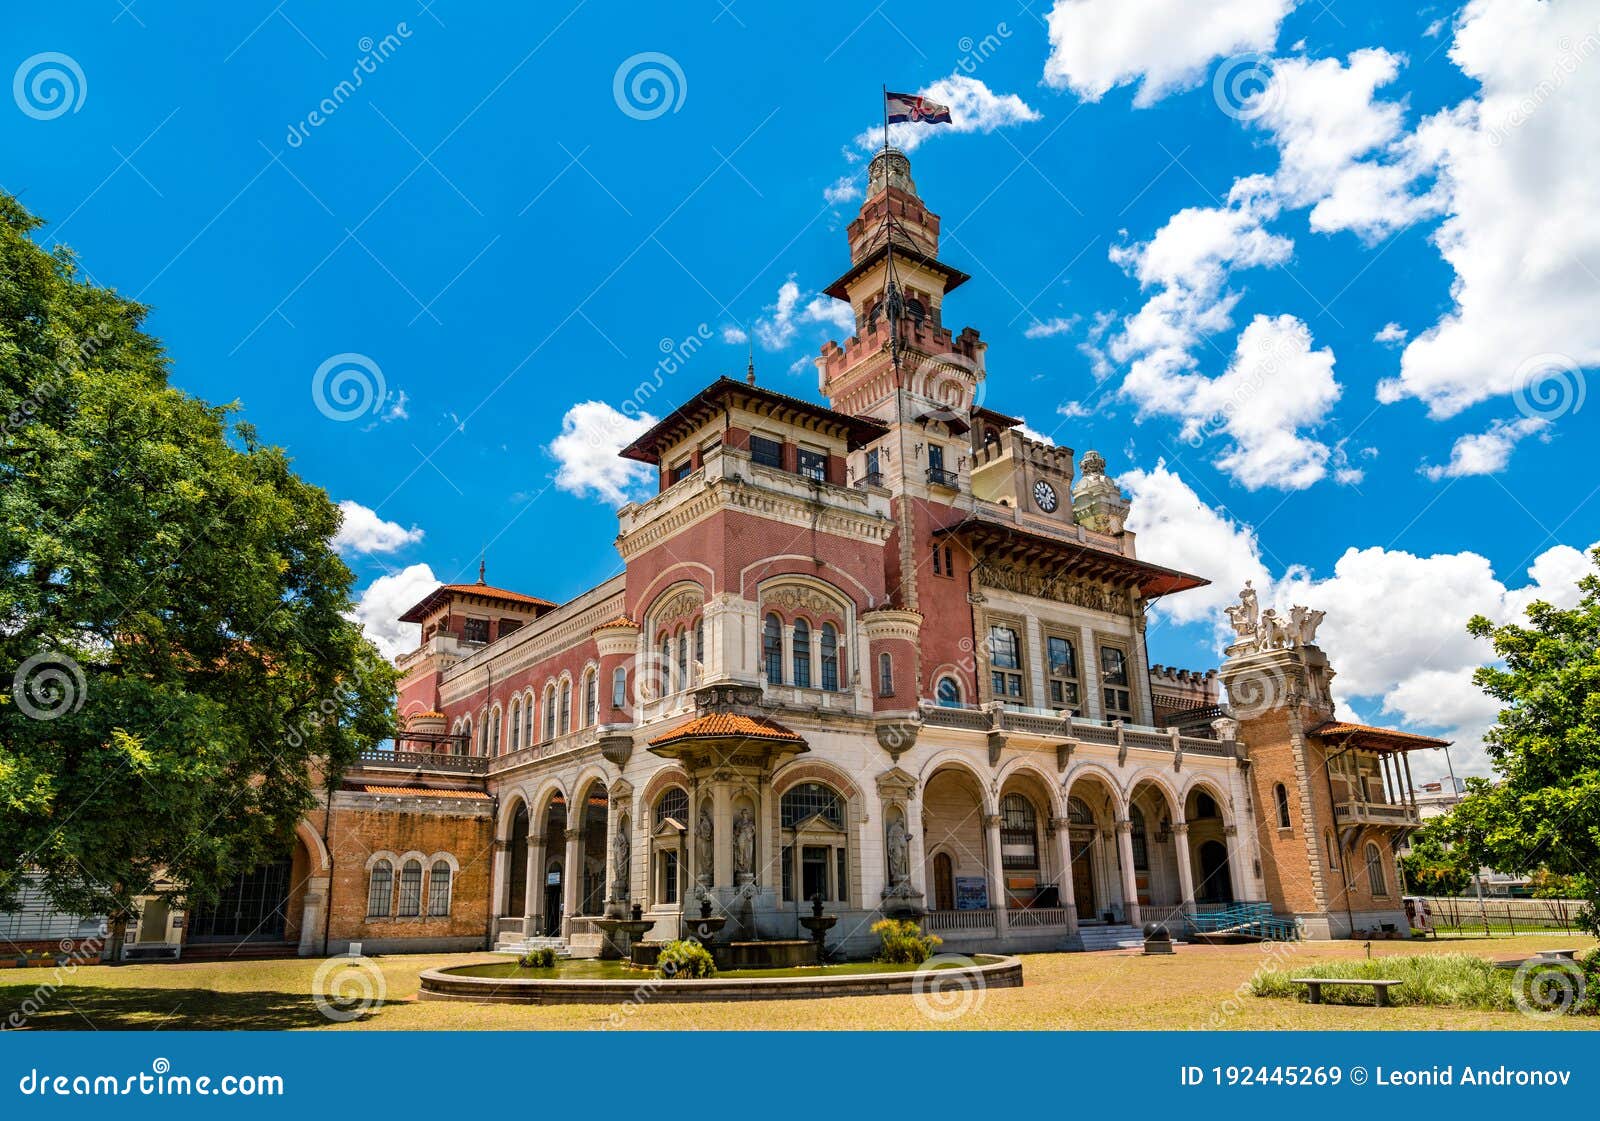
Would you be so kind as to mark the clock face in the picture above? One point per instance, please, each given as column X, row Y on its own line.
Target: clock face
column 1045, row 496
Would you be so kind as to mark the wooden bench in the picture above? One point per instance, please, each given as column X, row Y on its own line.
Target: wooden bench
column 1559, row 955
column 1314, row 985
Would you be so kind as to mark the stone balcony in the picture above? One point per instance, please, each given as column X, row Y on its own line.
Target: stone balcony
column 1376, row 813
column 1063, row 729
column 421, row 763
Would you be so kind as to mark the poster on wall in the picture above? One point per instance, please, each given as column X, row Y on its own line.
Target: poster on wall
column 972, row 893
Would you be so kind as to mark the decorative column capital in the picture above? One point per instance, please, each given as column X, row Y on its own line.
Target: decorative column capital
column 992, row 821
column 1181, row 828
column 1124, row 827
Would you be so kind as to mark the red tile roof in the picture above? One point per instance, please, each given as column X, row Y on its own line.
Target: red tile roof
column 423, row 792
column 486, row 591
column 723, row 724
column 1368, row 736
column 619, row 621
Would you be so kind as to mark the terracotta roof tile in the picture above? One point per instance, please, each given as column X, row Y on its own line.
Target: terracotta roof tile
column 423, row 792
column 725, row 724
column 1393, row 736
column 619, row 621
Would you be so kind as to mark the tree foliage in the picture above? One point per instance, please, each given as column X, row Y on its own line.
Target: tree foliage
column 1433, row 867
column 1543, row 808
column 174, row 641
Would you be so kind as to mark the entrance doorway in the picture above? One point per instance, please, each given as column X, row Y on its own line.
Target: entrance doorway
column 1216, row 881
column 250, row 909
column 517, row 881
column 1082, row 844
column 552, row 902
column 944, row 883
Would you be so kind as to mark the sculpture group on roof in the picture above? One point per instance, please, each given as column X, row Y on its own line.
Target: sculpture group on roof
column 1259, row 630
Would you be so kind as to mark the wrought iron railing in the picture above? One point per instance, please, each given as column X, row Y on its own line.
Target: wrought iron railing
column 423, row 760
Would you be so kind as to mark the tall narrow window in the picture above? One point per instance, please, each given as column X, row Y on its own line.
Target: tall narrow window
column 527, row 721
column 1019, row 833
column 830, row 657
column 1375, row 879
column 1063, row 657
column 683, row 659
column 885, row 675
column 1140, row 845
column 566, row 705
column 619, row 687
column 550, row 713
column 1333, row 850
column 772, row 649
column 515, row 719
column 380, row 889
column 410, row 889
column 439, row 889
column 591, row 698
column 873, row 476
column 802, row 653
column 665, row 668
column 813, row 465
column 700, row 641
column 1005, row 664
column 1114, row 683
column 1280, row 794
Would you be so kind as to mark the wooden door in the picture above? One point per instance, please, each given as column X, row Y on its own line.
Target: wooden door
column 944, row 883
column 1083, row 878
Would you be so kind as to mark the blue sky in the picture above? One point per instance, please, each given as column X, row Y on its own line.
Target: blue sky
column 503, row 235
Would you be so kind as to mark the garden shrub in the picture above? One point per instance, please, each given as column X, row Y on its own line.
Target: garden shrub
column 1439, row 980
column 544, row 958
column 904, row 943
column 685, row 960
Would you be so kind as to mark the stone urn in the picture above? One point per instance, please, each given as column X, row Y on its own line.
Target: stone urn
column 819, row 925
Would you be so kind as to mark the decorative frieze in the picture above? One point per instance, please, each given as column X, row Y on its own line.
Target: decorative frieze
column 1075, row 593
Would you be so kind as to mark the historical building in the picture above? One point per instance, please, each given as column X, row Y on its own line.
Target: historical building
column 885, row 651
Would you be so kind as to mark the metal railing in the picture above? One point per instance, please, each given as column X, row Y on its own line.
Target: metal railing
column 423, row 760
column 1470, row 915
column 939, row 477
column 1376, row 813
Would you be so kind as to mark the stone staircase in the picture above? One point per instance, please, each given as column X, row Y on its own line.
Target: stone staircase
column 516, row 944
column 1111, row 936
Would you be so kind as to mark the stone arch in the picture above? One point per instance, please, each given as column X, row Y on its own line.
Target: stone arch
column 667, row 776
column 675, row 606
column 680, row 573
column 1107, row 778
column 321, row 863
column 957, row 804
column 1212, row 786
column 1156, row 779
column 508, row 812
column 796, row 568
column 963, row 760
column 539, row 804
column 1019, row 768
column 797, row 771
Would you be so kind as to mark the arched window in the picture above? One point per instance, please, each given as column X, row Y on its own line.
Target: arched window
column 619, row 687
column 591, row 698
column 1078, row 813
column 410, row 889
column 494, row 746
column 802, row 653
column 700, row 641
column 1375, row 880
column 1141, row 848
column 885, row 675
column 1333, row 850
column 1019, row 833
column 550, row 712
column 566, row 705
column 666, row 664
column 1205, row 805
column 439, row 889
column 1280, row 794
column 683, row 659
column 830, row 657
column 466, row 738
column 772, row 649
column 948, row 693
column 515, row 720
column 673, row 803
column 380, row 885
column 527, row 721
column 483, row 736
column 810, row 799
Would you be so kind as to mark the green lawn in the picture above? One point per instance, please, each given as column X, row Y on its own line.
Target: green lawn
column 1198, row 987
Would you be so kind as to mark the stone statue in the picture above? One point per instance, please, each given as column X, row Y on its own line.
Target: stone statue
column 1271, row 634
column 1244, row 615
column 705, row 846
column 744, row 843
column 899, row 852
column 619, row 859
column 1303, row 624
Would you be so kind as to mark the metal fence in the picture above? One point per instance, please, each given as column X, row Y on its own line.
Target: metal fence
column 1468, row 915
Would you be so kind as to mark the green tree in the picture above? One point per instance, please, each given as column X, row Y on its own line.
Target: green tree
column 173, row 621
column 1543, row 808
column 1433, row 867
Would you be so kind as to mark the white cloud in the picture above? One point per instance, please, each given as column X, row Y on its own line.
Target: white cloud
column 1034, row 434
column 733, row 333
column 1390, row 334
column 974, row 107
column 1485, row 453
column 1164, row 45
column 361, row 531
column 1522, row 231
column 846, row 188
column 1395, row 630
column 384, row 600
column 592, row 433
column 1049, row 328
column 777, row 329
column 1073, row 410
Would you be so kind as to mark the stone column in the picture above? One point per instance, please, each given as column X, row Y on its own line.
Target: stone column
column 533, row 889
column 997, row 881
column 1036, row 656
column 722, row 840
column 1180, row 834
column 1130, row 885
column 610, row 875
column 1064, row 848
column 497, row 888
column 311, row 922
column 1089, row 662
column 571, row 877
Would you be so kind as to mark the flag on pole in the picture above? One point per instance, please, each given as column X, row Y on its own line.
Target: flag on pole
column 909, row 107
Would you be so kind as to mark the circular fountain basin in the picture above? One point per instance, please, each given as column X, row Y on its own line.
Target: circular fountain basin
column 613, row 982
